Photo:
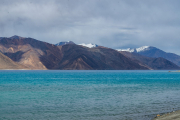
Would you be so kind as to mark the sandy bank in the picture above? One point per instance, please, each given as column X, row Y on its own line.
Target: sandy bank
column 169, row 116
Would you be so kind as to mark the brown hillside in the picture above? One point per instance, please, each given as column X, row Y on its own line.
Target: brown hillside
column 36, row 54
column 7, row 63
column 153, row 63
column 99, row 58
column 31, row 53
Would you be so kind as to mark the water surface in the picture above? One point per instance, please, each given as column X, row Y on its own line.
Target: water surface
column 87, row 95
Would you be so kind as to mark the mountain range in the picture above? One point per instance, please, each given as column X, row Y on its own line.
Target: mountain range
column 152, row 63
column 154, row 52
column 28, row 53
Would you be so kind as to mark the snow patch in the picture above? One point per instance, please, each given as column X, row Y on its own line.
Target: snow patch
column 127, row 50
column 143, row 48
column 90, row 45
column 64, row 43
column 140, row 49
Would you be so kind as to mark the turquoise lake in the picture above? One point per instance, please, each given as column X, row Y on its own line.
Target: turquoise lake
column 87, row 95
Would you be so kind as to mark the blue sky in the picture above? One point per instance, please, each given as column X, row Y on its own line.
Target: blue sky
column 110, row 23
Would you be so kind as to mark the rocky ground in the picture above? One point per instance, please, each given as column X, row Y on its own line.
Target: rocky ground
column 175, row 115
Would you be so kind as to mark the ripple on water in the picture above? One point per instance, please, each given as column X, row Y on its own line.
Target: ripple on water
column 87, row 94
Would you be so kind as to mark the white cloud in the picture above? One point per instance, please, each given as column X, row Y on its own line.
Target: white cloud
column 115, row 23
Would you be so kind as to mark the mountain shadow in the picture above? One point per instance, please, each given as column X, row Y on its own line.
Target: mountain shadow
column 7, row 63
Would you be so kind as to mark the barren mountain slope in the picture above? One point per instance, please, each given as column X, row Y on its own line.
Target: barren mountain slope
column 99, row 58
column 7, row 63
column 152, row 63
column 30, row 52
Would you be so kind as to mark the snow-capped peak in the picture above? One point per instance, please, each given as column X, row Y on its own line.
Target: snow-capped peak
column 143, row 48
column 140, row 49
column 64, row 43
column 90, row 45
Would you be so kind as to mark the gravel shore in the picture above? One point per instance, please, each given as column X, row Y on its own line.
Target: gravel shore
column 175, row 115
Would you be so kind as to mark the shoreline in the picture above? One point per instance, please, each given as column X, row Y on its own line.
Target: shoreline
column 174, row 115
column 175, row 71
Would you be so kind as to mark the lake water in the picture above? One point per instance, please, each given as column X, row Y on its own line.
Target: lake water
column 87, row 95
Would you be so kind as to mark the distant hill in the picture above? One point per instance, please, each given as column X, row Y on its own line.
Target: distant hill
column 154, row 52
column 152, row 63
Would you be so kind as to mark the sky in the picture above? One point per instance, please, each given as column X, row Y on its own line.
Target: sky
column 115, row 24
